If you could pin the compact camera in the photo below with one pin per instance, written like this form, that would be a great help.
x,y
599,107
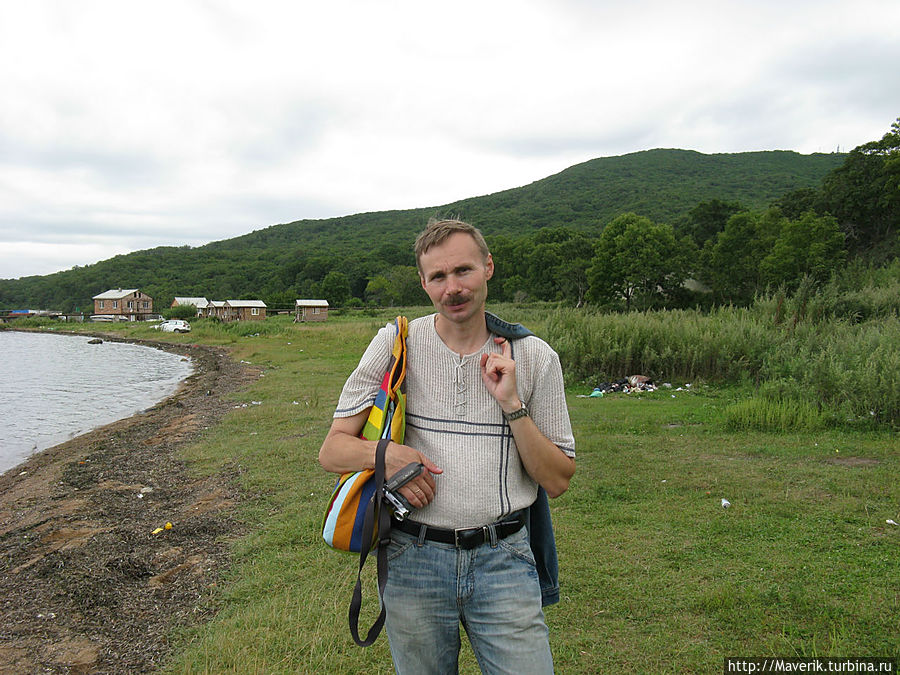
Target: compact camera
x,y
397,502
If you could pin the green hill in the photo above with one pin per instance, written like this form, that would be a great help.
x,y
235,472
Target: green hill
x,y
280,262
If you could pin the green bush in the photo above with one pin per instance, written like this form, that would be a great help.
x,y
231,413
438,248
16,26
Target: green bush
x,y
186,312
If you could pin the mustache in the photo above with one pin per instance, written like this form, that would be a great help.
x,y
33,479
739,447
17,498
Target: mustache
x,y
456,299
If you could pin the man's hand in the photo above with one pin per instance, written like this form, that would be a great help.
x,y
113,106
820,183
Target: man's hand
x,y
544,461
498,372
419,491
343,450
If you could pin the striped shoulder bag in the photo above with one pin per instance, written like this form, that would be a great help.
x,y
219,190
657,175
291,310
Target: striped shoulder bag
x,y
356,519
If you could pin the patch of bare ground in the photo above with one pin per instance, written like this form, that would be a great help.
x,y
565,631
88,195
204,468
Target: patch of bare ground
x,y
852,461
85,584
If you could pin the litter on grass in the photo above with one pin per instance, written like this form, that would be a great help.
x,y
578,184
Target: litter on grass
x,y
630,384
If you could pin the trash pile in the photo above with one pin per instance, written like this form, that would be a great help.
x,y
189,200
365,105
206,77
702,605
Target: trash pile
x,y
625,385
631,384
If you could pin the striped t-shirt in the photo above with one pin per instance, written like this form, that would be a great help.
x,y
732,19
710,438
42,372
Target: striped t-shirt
x,y
452,419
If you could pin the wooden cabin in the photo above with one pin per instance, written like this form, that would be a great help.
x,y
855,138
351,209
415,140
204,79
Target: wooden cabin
x,y
310,310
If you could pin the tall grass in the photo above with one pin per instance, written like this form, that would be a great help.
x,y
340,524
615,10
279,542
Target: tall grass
x,y
813,358
780,414
726,344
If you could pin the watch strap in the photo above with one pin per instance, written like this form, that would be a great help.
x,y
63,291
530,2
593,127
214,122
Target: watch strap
x,y
516,414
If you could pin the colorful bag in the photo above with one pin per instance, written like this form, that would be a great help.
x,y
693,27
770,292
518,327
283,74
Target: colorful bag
x,y
344,517
356,514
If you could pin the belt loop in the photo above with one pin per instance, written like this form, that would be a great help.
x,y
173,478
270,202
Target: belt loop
x,y
491,531
423,530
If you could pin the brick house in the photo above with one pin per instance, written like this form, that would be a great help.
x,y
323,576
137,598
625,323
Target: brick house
x,y
244,310
310,310
124,304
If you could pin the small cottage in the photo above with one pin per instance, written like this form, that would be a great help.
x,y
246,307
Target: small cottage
x,y
311,310
124,304
245,310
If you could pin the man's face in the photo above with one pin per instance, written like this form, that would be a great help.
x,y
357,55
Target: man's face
x,y
455,275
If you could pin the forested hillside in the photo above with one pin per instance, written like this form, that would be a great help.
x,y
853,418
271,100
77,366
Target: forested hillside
x,y
367,258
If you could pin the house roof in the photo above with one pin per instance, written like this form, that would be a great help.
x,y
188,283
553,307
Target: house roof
x,y
199,303
245,303
115,293
312,303
217,303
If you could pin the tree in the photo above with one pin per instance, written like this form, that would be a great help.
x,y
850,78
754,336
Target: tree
x,y
707,219
505,253
317,267
576,255
797,202
636,260
336,288
864,193
558,265
811,246
540,266
406,287
398,286
730,263
378,291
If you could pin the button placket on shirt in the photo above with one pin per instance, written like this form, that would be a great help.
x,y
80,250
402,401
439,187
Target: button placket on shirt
x,y
461,389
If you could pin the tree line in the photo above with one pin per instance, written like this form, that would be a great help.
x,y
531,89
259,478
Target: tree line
x,y
720,252
625,232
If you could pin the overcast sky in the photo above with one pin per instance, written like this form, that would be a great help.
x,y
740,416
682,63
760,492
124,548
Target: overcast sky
x,y
127,125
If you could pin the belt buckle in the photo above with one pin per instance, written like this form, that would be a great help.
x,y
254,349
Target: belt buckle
x,y
466,532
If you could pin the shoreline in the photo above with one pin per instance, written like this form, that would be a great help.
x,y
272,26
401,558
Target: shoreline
x,y
85,585
64,438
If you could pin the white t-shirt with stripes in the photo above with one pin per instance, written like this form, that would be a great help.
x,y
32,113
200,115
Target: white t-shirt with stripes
x,y
453,420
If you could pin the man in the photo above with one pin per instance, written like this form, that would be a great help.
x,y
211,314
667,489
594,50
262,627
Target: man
x,y
487,417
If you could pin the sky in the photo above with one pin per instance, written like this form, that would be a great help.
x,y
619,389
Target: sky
x,y
127,125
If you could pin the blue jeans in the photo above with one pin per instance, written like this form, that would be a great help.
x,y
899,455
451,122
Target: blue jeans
x,y
492,589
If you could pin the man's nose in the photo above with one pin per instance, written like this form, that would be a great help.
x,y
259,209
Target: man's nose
x,y
452,286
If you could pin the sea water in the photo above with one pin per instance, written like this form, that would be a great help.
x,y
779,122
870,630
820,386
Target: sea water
x,y
56,387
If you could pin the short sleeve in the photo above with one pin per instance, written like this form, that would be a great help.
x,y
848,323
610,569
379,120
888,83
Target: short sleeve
x,y
362,386
548,406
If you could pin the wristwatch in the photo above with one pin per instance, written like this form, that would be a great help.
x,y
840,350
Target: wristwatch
x,y
516,414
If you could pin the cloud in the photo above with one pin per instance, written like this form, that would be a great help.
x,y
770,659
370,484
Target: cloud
x,y
173,122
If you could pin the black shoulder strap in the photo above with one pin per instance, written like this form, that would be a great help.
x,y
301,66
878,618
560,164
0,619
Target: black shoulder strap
x,y
375,510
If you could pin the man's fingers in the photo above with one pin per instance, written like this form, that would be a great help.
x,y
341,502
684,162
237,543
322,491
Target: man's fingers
x,y
418,494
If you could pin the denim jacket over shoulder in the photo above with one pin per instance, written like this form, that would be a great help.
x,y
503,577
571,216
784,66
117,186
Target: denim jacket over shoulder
x,y
539,523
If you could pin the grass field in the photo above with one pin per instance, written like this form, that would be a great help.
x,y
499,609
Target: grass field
x,y
657,577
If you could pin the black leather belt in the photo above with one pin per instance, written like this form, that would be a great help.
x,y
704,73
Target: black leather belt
x,y
465,537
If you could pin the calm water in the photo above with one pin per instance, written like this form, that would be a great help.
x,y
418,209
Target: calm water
x,y
56,387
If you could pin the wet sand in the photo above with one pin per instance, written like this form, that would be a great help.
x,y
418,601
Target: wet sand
x,y
85,585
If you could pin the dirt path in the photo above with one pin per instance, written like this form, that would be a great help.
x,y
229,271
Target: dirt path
x,y
85,585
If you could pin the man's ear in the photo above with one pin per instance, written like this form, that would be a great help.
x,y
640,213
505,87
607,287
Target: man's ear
x,y
422,281
489,266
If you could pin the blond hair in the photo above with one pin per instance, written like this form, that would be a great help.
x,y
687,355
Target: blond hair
x,y
438,231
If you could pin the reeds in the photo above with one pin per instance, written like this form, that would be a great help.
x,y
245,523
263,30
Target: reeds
x,y
814,358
